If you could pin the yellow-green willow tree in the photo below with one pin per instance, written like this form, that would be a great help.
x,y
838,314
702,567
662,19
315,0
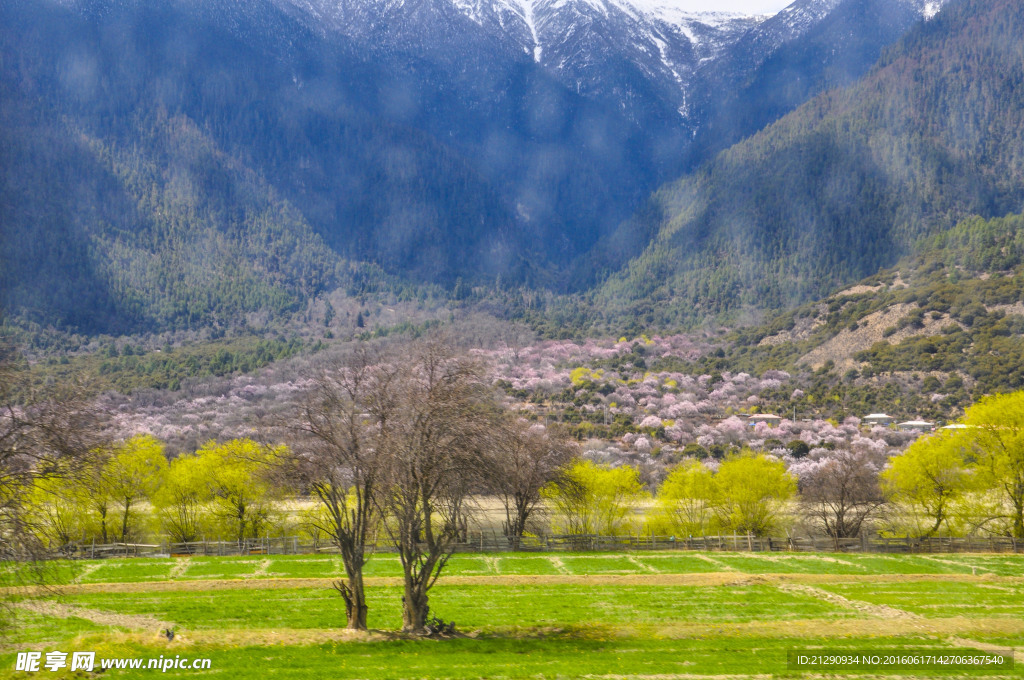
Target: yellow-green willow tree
x,y
597,499
134,472
181,503
753,490
930,481
687,499
996,424
56,510
241,485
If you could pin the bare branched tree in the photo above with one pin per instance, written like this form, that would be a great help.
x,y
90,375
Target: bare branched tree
x,y
842,492
337,456
43,435
434,445
515,338
522,459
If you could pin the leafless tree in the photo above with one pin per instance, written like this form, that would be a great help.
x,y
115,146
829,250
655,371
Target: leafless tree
x,y
337,457
515,338
43,434
841,492
433,445
522,459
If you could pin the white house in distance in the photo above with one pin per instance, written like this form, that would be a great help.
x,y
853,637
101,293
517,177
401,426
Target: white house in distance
x,y
916,425
769,418
878,419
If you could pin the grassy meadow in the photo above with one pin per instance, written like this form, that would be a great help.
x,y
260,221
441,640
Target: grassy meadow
x,y
636,615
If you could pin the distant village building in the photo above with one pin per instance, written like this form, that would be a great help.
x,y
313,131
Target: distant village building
x,y
955,426
916,425
769,418
878,419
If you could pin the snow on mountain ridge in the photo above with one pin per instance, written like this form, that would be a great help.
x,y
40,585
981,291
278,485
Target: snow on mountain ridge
x,y
680,15
636,53
531,23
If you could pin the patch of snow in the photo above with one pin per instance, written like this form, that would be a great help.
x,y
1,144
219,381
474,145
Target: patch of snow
x,y
469,9
688,32
526,6
695,8
931,9
663,50
682,14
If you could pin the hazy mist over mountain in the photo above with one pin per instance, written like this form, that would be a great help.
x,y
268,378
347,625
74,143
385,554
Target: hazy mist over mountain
x,y
175,163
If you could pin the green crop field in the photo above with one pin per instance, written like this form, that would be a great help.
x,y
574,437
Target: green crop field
x,y
627,615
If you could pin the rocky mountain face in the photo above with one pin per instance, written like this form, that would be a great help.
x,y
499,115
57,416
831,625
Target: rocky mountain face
x,y
848,182
807,48
298,145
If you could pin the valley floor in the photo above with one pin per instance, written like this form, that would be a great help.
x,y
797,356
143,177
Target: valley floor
x,y
645,615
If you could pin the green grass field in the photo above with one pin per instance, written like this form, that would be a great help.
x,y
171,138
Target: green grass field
x,y
634,615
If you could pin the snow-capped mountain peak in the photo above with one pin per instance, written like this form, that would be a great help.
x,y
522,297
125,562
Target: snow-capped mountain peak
x,y
629,50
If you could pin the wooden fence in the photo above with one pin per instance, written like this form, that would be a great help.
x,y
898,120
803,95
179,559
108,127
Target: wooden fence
x,y
486,542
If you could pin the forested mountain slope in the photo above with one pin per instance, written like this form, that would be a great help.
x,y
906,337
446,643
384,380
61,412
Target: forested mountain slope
x,y
171,164
754,85
174,162
937,331
846,184
128,203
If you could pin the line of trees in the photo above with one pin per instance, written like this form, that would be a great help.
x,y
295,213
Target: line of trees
x,y
399,446
127,492
392,446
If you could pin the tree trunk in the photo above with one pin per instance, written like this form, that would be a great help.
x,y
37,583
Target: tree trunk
x,y
240,516
103,524
522,514
414,609
1018,524
354,594
124,523
939,519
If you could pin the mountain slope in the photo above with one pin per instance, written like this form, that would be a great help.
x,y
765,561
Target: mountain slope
x,y
642,58
173,163
172,146
770,73
937,331
119,215
772,69
412,138
846,184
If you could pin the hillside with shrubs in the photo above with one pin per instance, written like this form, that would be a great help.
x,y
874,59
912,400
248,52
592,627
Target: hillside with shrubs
x,y
937,331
